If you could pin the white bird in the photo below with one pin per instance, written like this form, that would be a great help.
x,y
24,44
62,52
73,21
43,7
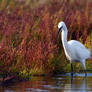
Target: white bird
x,y
74,50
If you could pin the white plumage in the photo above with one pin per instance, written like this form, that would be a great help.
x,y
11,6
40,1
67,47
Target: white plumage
x,y
79,50
74,50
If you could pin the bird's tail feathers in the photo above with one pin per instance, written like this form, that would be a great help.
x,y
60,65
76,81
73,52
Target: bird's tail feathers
x,y
90,52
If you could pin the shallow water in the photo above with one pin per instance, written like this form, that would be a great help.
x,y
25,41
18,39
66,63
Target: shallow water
x,y
57,83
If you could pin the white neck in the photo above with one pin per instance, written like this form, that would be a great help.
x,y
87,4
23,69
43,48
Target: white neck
x,y
64,38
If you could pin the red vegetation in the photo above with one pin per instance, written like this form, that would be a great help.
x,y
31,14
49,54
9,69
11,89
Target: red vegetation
x,y
28,36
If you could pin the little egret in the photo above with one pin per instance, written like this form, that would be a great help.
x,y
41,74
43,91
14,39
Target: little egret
x,y
74,50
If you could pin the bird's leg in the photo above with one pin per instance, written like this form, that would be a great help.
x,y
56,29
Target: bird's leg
x,y
84,66
71,69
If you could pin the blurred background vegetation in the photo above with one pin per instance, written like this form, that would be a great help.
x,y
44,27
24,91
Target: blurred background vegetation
x,y
28,30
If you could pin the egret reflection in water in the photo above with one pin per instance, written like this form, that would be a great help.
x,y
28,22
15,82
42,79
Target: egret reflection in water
x,y
57,83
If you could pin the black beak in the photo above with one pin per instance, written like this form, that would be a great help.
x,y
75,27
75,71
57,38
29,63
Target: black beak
x,y
59,30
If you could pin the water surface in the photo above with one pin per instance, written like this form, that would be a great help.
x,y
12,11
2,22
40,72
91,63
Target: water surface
x,y
57,83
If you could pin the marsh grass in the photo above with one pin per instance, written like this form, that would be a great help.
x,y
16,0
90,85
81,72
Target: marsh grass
x,y
28,42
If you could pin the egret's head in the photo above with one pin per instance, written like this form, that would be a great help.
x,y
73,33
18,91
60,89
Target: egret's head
x,y
61,26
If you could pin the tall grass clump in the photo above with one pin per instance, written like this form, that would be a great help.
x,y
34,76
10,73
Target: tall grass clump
x,y
28,42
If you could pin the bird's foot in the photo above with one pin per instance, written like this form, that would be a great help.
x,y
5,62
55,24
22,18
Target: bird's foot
x,y
72,73
85,73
